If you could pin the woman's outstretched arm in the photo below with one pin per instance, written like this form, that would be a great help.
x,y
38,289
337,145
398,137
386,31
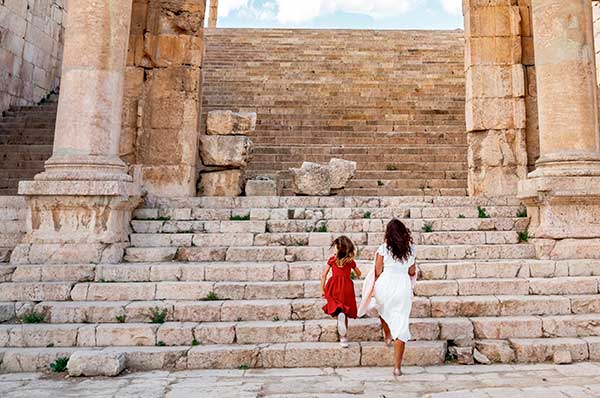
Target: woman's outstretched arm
x,y
378,266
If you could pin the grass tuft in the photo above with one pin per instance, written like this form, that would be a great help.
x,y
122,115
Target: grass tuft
x,y
428,227
121,318
32,317
158,315
212,296
522,213
245,217
482,213
524,236
60,365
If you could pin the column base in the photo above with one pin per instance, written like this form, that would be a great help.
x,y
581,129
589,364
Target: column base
x,y
562,207
76,221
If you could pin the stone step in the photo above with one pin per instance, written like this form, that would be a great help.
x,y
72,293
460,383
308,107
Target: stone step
x,y
282,271
276,331
320,253
233,237
235,290
444,219
291,355
256,332
318,202
297,309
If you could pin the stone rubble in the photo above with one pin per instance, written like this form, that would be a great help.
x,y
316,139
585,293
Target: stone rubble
x,y
313,179
225,151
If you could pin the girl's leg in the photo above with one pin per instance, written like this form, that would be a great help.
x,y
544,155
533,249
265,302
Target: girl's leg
x,y
387,335
399,346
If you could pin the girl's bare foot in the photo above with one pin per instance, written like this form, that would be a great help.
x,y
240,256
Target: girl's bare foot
x,y
397,372
388,341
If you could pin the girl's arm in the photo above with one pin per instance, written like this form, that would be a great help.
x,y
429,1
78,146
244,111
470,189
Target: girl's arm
x,y
324,278
357,271
378,266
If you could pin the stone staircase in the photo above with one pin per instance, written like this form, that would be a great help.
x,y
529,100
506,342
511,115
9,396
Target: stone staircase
x,y
26,138
391,100
233,283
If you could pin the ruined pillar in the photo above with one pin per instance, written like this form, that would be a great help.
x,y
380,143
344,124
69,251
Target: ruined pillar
x,y
212,18
563,192
163,95
80,206
495,97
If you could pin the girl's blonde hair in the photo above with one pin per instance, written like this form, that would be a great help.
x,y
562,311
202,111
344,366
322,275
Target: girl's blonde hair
x,y
345,251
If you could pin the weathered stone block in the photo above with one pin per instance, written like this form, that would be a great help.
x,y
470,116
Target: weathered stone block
x,y
230,123
230,151
96,363
312,179
261,187
221,183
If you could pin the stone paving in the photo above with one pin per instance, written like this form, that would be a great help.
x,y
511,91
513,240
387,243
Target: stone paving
x,y
495,381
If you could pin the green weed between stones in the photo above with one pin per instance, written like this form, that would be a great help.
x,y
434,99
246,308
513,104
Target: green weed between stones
x,y
60,365
195,343
322,228
428,227
121,318
158,315
522,213
32,317
244,367
212,296
245,217
367,215
482,213
161,344
461,216
524,236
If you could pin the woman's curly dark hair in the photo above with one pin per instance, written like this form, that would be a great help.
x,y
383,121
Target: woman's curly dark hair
x,y
398,240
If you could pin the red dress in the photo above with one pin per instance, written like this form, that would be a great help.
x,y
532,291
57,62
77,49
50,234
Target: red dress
x,y
339,290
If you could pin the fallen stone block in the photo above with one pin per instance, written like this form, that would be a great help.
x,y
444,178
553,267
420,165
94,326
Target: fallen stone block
x,y
221,183
96,363
231,151
230,123
261,187
312,179
341,171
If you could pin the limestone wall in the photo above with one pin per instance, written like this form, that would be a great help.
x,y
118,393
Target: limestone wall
x,y
162,94
31,44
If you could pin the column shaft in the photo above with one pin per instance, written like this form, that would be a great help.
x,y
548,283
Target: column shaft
x,y
214,8
88,125
566,83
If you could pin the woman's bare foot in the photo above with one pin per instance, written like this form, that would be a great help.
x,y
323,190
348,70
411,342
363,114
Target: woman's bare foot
x,y
397,372
387,339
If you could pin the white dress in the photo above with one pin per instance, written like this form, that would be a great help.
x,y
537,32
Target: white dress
x,y
393,293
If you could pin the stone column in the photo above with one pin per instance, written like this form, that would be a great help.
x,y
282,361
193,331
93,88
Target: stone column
x,y
495,97
563,192
214,8
81,204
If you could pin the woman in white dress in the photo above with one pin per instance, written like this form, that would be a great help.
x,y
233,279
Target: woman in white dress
x,y
394,266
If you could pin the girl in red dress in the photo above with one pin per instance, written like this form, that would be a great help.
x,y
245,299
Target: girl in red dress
x,y
339,290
